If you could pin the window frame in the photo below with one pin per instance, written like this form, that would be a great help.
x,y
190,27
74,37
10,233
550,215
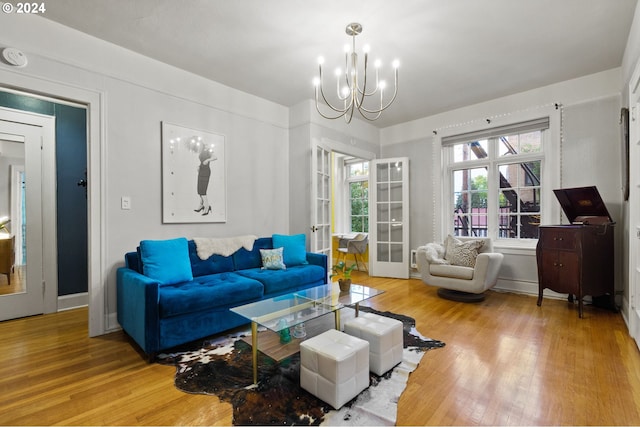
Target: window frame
x,y
550,174
348,180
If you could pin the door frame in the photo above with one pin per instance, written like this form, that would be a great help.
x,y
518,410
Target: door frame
x,y
48,196
633,309
332,147
96,188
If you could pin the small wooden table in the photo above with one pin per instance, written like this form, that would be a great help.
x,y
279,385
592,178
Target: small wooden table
x,y
288,310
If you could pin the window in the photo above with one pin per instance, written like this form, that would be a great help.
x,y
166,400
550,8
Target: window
x,y
495,180
357,181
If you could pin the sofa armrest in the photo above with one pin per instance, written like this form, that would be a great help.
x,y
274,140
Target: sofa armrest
x,y
138,308
318,259
488,266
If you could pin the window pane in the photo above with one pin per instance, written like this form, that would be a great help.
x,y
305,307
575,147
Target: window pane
x,y
396,171
359,205
519,195
520,143
470,202
470,151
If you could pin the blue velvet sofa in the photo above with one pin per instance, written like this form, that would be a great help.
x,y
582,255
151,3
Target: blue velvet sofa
x,y
160,309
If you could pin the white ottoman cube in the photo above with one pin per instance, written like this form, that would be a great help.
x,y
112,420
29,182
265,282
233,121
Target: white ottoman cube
x,y
384,336
334,367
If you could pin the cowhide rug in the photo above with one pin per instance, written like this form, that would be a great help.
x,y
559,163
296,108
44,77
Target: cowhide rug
x,y
222,367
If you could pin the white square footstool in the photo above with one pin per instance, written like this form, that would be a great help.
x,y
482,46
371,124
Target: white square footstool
x,y
334,366
385,339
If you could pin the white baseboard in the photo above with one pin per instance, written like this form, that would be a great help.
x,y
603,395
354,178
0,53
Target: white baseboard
x,y
69,302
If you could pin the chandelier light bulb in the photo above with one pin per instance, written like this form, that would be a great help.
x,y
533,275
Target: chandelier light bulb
x,y
395,64
382,85
347,48
316,81
338,72
366,48
377,63
320,60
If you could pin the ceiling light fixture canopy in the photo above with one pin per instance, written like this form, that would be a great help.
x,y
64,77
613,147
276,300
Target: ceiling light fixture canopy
x,y
352,92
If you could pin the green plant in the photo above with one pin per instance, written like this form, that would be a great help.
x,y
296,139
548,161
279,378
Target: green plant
x,y
342,271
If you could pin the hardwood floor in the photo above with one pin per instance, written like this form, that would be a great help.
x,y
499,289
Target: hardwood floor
x,y
17,281
506,362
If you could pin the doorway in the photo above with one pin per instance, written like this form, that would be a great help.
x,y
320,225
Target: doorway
x,y
68,190
387,210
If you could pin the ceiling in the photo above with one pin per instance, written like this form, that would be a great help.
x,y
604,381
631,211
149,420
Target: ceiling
x,y
453,53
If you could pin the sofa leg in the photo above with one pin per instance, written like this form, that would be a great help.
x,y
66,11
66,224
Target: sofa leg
x,y
460,296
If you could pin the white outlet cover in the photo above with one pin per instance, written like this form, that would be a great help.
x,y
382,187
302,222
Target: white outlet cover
x,y
14,57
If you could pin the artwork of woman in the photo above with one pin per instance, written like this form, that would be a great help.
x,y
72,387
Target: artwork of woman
x,y
182,149
205,156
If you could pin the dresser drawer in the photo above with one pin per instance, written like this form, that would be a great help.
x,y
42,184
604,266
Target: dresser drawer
x,y
553,238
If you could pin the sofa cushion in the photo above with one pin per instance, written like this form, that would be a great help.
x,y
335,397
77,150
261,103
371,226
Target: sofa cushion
x,y
207,292
166,261
279,281
244,259
453,271
295,248
213,264
463,253
272,259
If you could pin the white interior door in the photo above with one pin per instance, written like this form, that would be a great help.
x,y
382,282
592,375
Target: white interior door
x,y
321,200
19,138
389,218
634,205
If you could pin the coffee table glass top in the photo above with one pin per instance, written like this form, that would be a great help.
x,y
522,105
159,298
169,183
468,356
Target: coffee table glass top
x,y
291,309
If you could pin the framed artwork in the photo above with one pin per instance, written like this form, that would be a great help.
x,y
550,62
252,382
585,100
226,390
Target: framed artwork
x,y
193,175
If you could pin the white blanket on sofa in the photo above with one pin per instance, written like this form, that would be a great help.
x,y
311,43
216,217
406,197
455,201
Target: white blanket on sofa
x,y
225,246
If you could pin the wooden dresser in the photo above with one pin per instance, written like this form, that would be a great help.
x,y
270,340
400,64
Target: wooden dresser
x,y
7,256
578,259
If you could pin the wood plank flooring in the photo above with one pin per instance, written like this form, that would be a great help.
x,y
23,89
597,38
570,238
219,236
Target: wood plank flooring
x,y
506,362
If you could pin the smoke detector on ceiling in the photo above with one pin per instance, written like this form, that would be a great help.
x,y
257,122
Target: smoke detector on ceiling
x,y
14,57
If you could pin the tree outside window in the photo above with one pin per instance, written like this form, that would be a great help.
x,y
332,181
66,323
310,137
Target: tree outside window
x,y
358,187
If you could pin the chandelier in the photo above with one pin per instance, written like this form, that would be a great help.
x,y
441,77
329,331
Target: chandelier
x,y
352,90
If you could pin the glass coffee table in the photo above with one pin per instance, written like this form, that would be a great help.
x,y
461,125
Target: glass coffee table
x,y
287,311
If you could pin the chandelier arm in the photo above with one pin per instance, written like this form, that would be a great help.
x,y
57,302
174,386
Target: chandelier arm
x,y
328,117
326,101
395,93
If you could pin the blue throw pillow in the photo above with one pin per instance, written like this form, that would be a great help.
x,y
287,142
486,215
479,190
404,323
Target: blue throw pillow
x,y
272,259
166,261
295,248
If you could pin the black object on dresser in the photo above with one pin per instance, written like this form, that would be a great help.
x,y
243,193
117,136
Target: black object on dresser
x,y
578,259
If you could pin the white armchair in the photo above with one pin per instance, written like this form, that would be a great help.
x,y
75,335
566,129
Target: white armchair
x,y
455,273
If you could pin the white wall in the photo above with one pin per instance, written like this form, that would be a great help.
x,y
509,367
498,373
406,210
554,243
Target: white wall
x,y
590,156
136,94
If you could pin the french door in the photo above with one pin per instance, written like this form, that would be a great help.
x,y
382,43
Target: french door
x,y
389,218
634,205
321,200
